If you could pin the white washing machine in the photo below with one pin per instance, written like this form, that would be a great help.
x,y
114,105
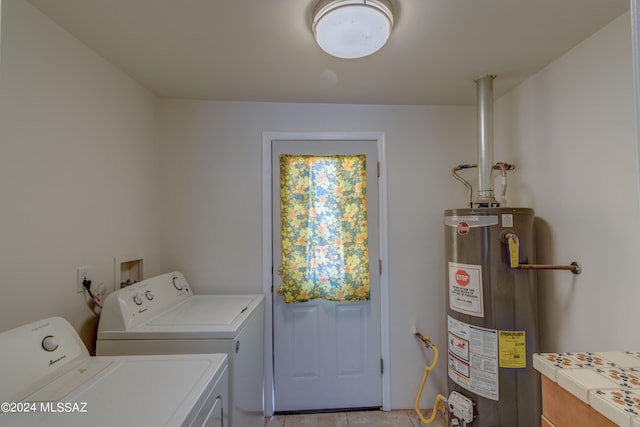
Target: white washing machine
x,y
161,315
48,379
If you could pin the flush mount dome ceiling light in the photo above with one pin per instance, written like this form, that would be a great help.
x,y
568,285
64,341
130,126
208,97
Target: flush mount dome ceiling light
x,y
352,28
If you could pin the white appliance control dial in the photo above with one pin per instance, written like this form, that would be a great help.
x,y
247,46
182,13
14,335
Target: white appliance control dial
x,y
50,343
177,283
149,295
137,299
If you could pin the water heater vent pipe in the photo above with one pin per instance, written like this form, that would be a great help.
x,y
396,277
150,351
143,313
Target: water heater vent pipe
x,y
485,195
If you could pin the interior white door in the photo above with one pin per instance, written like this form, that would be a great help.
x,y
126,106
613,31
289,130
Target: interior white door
x,y
327,355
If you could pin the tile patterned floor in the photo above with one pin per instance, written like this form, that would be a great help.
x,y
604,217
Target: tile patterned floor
x,y
353,419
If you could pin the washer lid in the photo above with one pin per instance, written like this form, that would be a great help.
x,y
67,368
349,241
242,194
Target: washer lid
x,y
199,317
131,391
212,310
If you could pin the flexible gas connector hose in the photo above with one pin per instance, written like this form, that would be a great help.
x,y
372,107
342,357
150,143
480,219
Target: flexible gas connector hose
x,y
440,399
503,167
466,183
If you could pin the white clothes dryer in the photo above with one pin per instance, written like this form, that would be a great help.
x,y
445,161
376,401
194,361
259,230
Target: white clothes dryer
x,y
161,315
48,379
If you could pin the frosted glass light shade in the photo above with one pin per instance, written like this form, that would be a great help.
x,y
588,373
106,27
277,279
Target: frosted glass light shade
x,y
352,28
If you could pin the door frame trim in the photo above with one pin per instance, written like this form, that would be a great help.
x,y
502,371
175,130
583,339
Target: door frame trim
x,y
267,262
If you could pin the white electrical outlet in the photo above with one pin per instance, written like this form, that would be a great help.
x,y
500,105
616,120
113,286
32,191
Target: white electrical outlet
x,y
83,273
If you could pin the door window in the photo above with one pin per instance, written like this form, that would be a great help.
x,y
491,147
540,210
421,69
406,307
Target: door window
x,y
323,205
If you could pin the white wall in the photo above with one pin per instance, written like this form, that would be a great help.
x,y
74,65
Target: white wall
x,y
211,226
78,171
570,130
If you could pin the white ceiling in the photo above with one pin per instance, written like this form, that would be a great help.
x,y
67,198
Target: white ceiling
x,y
263,50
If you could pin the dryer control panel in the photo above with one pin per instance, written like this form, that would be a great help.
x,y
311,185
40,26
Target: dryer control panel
x,y
33,354
129,307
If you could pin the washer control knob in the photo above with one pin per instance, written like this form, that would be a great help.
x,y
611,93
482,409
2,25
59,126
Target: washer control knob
x,y
137,299
149,295
177,283
50,343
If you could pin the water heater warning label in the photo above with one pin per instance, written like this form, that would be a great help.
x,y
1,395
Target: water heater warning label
x,y
513,349
465,289
473,358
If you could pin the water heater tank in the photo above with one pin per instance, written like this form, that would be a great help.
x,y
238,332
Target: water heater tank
x,y
492,315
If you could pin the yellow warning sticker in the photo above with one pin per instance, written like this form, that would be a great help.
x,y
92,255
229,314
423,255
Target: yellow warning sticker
x,y
513,349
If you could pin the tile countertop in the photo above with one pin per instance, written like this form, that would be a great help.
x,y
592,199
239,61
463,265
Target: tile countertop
x,y
607,381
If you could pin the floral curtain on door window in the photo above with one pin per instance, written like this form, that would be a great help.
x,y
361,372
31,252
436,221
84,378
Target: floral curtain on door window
x,y
324,228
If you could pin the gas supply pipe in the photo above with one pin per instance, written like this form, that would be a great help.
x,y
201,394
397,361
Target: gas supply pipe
x,y
440,399
513,246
